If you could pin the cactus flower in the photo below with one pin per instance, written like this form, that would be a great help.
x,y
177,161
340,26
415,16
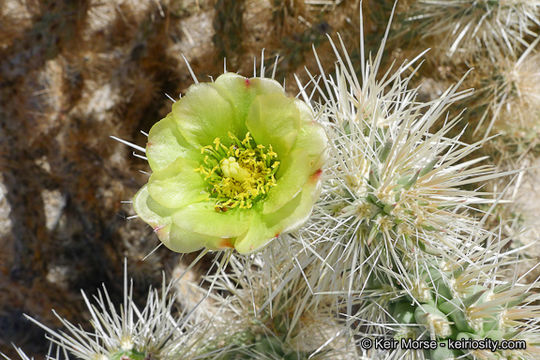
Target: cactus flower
x,y
234,164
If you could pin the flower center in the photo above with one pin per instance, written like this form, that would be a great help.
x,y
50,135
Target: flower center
x,y
240,174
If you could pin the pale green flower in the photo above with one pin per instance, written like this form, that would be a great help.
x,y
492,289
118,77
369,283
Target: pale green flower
x,y
235,164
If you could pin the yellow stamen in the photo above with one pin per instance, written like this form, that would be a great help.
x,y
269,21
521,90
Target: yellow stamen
x,y
217,143
238,175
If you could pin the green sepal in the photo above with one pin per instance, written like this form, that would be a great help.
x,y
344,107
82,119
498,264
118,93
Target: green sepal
x,y
257,235
147,209
240,92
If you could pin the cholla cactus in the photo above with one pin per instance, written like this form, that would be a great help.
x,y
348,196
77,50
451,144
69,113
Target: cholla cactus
x,y
395,246
392,189
462,28
131,333
472,300
510,96
393,210
268,318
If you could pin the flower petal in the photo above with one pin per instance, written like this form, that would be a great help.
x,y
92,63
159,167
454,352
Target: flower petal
x,y
166,144
178,185
220,243
153,214
293,174
305,160
184,241
265,86
203,115
311,137
274,119
241,91
202,218
296,211
172,236
256,237
264,228
175,201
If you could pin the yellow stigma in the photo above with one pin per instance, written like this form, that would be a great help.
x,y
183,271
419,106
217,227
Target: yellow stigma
x,y
240,174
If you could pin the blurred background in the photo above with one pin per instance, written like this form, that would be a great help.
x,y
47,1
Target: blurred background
x,y
74,72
